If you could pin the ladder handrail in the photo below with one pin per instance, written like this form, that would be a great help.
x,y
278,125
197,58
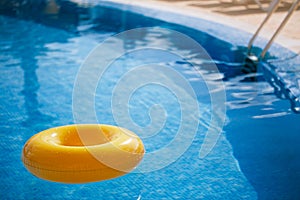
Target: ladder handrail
x,y
283,23
273,7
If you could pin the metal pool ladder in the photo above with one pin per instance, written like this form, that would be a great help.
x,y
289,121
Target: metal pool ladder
x,y
252,60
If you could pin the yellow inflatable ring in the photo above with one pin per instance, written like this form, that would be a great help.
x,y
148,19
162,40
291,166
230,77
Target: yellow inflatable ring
x,y
82,153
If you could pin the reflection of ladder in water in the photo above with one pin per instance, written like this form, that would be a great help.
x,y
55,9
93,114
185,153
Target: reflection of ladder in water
x,y
252,60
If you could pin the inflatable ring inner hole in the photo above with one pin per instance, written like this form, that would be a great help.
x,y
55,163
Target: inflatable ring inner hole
x,y
81,136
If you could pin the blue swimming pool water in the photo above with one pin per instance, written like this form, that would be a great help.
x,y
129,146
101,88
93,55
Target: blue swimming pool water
x,y
256,156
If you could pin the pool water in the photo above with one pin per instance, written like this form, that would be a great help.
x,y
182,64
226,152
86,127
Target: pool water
x,y
257,155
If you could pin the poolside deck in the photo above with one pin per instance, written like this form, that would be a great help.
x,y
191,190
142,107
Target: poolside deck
x,y
241,14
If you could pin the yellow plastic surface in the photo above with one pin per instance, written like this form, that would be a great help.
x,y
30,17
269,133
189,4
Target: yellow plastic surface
x,y
82,153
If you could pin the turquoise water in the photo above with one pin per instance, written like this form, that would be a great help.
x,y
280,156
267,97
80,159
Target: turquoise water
x,y
256,155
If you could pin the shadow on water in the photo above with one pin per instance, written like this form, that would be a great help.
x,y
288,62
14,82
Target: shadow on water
x,y
27,46
36,120
55,13
266,145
